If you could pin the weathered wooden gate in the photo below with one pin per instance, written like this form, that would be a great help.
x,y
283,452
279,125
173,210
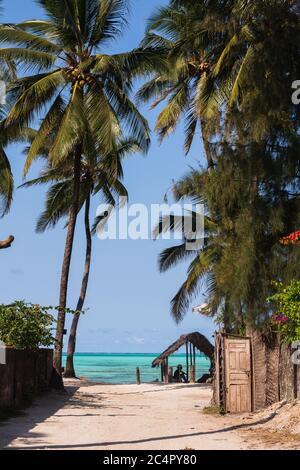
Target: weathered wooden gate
x,y
233,373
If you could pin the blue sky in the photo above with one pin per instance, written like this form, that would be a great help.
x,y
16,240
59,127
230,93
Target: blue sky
x,y
128,299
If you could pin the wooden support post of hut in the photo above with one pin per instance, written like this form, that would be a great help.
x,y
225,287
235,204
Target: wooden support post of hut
x,y
187,360
193,379
166,371
191,342
194,358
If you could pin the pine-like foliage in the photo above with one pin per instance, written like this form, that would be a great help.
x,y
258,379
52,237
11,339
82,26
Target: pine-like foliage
x,y
251,52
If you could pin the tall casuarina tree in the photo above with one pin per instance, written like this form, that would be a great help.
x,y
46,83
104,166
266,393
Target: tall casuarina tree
x,y
80,94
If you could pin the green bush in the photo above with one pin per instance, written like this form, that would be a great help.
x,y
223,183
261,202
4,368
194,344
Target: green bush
x,y
26,326
287,316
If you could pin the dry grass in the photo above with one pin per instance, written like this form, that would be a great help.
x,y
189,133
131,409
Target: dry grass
x,y
212,410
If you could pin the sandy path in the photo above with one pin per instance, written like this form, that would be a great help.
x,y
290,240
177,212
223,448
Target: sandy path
x,y
111,417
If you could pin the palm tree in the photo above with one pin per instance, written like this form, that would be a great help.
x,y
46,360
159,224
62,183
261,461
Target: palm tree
x,y
181,29
205,256
256,43
70,369
123,149
81,94
101,175
7,72
226,60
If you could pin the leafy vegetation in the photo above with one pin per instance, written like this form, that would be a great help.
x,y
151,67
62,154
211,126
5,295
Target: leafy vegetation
x,y
287,304
26,326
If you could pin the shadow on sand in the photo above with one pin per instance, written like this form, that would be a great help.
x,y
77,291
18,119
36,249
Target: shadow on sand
x,y
35,441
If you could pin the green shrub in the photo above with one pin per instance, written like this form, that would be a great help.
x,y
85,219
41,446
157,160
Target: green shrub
x,y
287,304
26,326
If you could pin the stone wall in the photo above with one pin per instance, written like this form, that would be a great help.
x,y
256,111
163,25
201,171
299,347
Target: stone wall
x,y
25,374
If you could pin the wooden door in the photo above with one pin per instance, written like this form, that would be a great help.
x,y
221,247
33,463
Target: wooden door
x,y
238,375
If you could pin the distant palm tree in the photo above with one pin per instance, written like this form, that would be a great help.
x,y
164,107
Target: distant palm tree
x,y
205,255
81,94
99,176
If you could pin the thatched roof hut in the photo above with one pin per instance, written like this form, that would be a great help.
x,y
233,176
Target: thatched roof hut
x,y
192,341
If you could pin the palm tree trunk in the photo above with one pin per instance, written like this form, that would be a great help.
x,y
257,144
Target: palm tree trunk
x,y
70,370
207,149
66,263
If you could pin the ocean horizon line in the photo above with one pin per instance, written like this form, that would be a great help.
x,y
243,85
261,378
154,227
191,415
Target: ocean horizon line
x,y
127,353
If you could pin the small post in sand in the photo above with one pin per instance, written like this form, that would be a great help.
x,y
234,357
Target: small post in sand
x,y
138,376
192,375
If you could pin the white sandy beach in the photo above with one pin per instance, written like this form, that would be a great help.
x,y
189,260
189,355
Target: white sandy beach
x,y
126,417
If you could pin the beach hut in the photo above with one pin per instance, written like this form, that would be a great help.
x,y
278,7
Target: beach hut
x,y
192,342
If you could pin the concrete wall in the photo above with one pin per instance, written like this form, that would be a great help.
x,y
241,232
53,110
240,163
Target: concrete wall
x,y
25,374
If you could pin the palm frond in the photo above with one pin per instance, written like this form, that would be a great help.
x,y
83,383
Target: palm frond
x,y
58,201
35,97
71,130
6,183
112,17
169,118
133,120
51,120
30,59
13,35
172,256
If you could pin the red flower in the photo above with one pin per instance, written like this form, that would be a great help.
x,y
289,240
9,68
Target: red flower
x,y
292,239
281,319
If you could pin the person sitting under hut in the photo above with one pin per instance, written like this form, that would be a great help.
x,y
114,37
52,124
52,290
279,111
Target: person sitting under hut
x,y
179,375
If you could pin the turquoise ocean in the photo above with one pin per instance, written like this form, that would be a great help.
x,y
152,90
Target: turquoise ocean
x,y
121,368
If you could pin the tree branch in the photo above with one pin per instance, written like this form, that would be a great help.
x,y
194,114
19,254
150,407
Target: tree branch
x,y
7,243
